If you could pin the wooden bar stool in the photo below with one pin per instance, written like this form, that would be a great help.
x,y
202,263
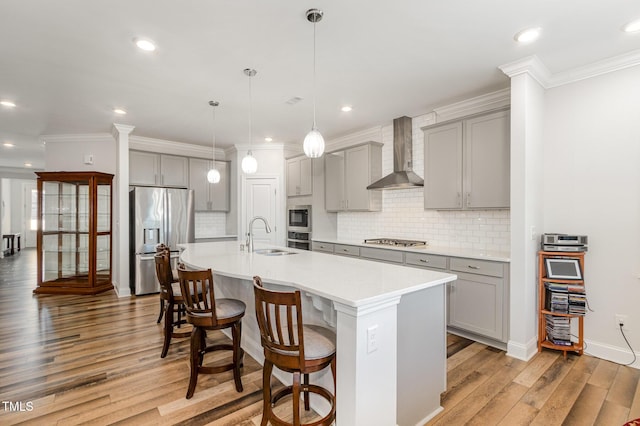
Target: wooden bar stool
x,y
205,312
171,294
174,279
293,347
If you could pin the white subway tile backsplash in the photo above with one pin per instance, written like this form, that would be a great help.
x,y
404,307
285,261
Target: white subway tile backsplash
x,y
210,224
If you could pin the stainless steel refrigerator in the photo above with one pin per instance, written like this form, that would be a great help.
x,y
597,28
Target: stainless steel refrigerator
x,y
156,215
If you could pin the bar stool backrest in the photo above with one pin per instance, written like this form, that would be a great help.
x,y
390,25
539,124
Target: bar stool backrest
x,y
164,274
279,316
197,291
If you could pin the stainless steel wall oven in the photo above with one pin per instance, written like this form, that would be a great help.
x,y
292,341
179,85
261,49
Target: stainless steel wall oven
x,y
299,227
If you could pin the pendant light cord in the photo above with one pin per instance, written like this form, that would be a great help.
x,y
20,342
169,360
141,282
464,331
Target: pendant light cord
x,y
213,139
250,113
314,74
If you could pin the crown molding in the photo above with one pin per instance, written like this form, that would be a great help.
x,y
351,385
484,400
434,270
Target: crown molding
x,y
356,138
121,129
488,101
534,67
89,137
531,65
612,64
171,147
270,146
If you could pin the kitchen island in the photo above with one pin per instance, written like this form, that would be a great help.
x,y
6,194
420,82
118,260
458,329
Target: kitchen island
x,y
389,321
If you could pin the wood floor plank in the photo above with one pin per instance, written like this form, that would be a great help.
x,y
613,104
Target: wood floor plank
x,y
539,393
497,408
536,368
634,411
520,415
623,387
587,406
604,374
611,414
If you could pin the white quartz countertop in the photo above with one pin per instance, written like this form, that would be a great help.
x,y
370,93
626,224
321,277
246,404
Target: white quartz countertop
x,y
497,256
352,282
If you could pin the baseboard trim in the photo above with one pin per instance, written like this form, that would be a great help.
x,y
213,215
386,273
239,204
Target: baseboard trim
x,y
611,353
521,351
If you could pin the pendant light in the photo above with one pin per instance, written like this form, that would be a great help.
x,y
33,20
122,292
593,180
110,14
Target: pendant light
x,y
213,176
314,142
249,162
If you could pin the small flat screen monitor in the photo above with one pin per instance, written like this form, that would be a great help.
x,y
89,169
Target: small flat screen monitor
x,y
563,269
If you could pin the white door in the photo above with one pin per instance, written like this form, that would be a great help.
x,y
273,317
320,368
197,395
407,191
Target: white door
x,y
29,214
262,200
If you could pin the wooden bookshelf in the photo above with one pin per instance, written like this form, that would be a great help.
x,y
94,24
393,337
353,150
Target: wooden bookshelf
x,y
544,311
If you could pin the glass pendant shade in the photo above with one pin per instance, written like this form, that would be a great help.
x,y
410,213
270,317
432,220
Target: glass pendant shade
x,y
313,144
249,164
213,176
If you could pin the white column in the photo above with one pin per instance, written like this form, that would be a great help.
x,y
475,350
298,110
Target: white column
x,y
120,232
367,364
528,80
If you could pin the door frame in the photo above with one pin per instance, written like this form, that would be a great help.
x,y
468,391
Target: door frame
x,y
277,227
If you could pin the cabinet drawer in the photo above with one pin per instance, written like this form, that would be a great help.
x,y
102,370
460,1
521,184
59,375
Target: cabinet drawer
x,y
325,247
347,250
381,254
426,260
481,267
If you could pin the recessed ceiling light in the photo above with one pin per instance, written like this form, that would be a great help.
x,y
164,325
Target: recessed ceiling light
x,y
346,108
8,104
145,44
632,27
528,35
119,111
28,164
268,139
8,144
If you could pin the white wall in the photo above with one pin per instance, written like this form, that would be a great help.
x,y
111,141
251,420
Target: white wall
x,y
592,187
67,153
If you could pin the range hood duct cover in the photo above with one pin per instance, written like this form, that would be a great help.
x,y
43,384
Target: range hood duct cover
x,y
403,176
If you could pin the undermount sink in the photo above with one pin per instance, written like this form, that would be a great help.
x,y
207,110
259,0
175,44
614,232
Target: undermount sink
x,y
273,252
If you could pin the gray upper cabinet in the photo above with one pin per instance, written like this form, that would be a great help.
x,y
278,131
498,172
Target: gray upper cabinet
x,y
299,176
209,196
152,169
467,164
347,175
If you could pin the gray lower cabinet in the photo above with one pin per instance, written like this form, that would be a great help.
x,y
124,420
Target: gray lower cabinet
x,y
346,250
477,298
323,247
477,302
391,256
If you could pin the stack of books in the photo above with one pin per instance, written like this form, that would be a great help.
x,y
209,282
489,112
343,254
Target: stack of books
x,y
558,330
565,298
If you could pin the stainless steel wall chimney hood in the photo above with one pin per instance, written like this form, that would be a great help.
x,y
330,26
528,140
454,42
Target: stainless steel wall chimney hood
x,y
403,176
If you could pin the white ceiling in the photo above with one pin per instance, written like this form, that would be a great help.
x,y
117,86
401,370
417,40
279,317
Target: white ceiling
x,y
67,64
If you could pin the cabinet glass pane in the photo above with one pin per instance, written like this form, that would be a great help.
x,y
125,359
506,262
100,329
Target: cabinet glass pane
x,y
104,208
61,256
59,206
83,208
103,258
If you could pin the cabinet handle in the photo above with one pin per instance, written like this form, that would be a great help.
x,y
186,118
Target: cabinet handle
x,y
345,250
459,199
468,199
424,260
473,267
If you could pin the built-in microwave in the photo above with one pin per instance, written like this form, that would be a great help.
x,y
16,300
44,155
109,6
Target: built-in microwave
x,y
299,218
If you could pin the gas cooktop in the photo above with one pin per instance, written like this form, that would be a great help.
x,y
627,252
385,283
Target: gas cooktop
x,y
395,242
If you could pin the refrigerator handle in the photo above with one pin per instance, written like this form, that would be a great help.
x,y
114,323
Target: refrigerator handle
x,y
167,218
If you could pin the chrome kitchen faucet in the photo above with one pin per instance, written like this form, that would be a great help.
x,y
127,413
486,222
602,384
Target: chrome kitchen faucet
x,y
250,233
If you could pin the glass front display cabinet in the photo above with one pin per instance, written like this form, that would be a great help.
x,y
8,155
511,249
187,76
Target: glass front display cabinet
x,y
74,232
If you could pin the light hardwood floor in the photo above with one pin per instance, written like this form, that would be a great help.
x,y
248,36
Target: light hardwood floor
x,y
96,360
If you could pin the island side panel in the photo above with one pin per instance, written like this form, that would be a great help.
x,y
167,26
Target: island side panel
x,y
366,376
422,356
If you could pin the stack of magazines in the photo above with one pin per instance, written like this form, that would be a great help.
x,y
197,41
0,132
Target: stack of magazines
x,y
558,330
565,298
